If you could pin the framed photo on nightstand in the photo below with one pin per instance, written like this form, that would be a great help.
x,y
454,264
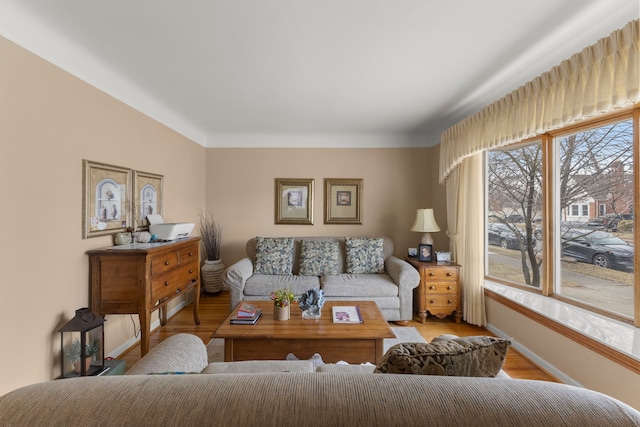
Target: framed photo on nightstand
x,y
425,253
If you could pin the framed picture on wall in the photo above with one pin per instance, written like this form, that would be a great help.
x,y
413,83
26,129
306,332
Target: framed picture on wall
x,y
106,199
343,200
294,201
148,198
425,253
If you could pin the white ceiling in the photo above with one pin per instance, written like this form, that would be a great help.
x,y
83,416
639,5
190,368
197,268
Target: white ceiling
x,y
237,72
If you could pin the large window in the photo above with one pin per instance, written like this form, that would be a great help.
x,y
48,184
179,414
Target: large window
x,y
580,222
514,214
594,170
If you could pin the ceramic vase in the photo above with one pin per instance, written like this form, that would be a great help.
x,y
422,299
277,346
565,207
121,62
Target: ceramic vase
x,y
122,239
211,274
281,313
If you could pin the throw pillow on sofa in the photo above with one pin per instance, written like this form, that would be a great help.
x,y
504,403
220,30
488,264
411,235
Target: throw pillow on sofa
x,y
479,356
318,258
274,255
364,255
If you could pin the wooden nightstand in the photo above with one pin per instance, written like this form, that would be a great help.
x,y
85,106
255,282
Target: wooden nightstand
x,y
438,291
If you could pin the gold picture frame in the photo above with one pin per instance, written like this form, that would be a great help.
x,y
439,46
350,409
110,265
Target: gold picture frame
x,y
148,198
294,201
343,200
106,207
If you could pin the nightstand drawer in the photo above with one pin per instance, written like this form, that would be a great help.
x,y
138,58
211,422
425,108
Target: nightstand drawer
x,y
440,288
440,273
441,301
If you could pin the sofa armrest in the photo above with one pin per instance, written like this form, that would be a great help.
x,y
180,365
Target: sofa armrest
x,y
407,278
178,353
235,279
402,273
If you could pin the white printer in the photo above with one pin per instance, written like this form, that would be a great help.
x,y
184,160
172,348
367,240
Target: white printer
x,y
168,231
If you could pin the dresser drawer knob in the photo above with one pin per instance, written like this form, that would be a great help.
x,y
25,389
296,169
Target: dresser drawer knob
x,y
432,287
449,288
166,283
190,253
178,291
450,301
432,301
166,263
432,274
191,270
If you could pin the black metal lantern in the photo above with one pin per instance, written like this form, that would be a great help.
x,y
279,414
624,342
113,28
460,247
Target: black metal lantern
x,y
82,344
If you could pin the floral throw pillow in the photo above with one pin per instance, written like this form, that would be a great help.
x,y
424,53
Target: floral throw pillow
x,y
318,258
364,255
274,255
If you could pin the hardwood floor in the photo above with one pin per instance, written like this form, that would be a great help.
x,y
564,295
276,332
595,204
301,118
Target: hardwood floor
x,y
215,308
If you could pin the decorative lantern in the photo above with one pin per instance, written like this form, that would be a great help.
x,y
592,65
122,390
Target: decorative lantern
x,y
82,344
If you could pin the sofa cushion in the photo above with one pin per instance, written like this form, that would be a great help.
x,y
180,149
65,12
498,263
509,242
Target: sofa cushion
x,y
359,285
264,284
318,258
364,255
479,356
274,255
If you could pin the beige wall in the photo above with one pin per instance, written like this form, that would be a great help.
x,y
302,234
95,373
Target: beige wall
x,y
241,187
49,122
575,361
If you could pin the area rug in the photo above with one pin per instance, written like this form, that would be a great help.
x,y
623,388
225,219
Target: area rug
x,y
215,348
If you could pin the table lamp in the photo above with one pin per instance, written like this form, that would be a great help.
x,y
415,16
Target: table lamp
x,y
425,223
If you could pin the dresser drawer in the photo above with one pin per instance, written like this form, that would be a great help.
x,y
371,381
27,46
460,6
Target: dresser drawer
x,y
189,254
439,274
164,262
172,282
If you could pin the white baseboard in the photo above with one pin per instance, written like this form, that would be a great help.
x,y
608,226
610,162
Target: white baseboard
x,y
133,341
535,359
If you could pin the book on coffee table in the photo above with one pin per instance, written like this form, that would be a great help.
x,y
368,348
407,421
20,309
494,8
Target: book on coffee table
x,y
346,314
246,310
246,320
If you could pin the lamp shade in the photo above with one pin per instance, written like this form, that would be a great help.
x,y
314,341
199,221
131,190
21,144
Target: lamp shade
x,y
425,221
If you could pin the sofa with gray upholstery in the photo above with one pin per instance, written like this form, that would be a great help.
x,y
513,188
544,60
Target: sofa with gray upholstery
x,y
345,268
167,388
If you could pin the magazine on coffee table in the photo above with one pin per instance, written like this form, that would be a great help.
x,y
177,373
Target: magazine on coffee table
x,y
346,314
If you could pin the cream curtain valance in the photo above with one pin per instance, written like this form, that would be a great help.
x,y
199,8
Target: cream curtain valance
x,y
601,78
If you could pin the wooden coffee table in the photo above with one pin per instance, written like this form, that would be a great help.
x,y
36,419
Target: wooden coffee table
x,y
270,339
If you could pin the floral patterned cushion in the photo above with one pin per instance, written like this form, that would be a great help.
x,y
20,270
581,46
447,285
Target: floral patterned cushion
x,y
318,258
364,255
274,255
479,356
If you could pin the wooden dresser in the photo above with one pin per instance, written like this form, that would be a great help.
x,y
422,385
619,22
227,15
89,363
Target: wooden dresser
x,y
439,290
143,277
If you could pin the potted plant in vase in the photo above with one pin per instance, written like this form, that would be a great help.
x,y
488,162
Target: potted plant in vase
x,y
72,353
282,300
212,270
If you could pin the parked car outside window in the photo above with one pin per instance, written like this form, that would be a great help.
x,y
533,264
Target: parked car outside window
x,y
598,248
502,235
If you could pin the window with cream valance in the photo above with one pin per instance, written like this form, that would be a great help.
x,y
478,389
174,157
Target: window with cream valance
x,y
598,80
